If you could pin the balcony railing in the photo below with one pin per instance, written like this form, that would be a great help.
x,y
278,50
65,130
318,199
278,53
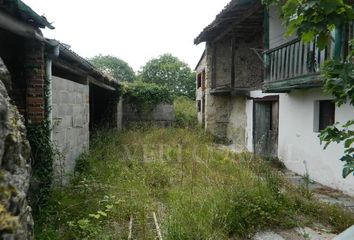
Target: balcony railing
x,y
294,59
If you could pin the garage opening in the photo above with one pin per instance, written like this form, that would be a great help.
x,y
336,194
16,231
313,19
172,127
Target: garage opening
x,y
103,107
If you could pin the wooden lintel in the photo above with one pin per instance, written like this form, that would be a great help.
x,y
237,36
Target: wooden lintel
x,y
70,68
100,84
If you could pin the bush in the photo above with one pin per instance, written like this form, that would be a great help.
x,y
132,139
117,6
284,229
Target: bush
x,y
145,96
186,112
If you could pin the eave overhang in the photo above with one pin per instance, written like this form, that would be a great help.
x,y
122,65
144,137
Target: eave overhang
x,y
234,14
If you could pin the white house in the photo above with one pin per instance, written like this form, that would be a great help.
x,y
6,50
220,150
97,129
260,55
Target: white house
x,y
263,91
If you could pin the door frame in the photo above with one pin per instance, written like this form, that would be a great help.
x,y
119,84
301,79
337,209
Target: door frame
x,y
272,98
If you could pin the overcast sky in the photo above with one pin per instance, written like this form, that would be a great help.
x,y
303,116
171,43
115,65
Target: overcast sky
x,y
133,30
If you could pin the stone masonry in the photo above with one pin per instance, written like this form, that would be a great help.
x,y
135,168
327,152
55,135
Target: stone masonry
x,y
70,112
15,214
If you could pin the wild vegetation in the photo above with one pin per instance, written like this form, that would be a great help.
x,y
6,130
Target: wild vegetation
x,y
115,67
196,190
170,72
145,96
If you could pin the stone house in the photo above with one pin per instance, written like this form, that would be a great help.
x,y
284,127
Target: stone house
x,y
264,92
200,70
46,74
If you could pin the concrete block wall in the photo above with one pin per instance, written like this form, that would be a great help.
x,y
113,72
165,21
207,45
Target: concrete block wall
x,y
162,114
70,113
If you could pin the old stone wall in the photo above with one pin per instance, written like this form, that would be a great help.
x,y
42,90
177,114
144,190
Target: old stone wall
x,y
162,114
15,214
217,114
70,112
249,65
223,62
225,115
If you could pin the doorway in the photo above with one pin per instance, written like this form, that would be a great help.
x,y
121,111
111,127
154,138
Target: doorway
x,y
265,127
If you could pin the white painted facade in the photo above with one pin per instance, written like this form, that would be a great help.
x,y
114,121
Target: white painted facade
x,y
299,145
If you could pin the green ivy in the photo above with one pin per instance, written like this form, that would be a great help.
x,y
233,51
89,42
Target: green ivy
x,y
43,155
145,96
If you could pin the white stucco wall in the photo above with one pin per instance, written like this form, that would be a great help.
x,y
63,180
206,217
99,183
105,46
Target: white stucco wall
x,y
70,115
300,145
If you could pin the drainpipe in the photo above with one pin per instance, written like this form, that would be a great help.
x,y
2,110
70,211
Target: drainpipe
x,y
53,53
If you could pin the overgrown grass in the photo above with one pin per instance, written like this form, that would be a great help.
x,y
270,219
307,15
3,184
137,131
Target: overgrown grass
x,y
196,190
186,112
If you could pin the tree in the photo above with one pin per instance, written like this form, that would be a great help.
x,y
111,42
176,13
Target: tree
x,y
170,72
316,19
115,67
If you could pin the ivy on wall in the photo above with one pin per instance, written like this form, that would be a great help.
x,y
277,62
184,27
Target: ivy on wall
x,y
145,96
43,155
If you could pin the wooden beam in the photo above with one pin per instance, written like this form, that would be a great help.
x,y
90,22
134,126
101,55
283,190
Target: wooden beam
x,y
249,12
70,68
100,84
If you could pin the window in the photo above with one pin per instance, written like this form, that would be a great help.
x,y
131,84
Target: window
x,y
199,106
327,112
203,80
199,80
324,114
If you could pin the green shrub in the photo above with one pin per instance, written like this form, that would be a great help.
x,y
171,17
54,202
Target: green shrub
x,y
186,112
145,96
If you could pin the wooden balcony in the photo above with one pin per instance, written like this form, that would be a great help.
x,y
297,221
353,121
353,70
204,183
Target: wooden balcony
x,y
294,65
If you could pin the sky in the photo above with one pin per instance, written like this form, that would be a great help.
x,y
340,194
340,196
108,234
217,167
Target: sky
x,y
133,30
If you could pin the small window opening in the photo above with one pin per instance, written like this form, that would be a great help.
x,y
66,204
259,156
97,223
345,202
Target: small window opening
x,y
199,80
199,106
203,79
327,114
324,114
